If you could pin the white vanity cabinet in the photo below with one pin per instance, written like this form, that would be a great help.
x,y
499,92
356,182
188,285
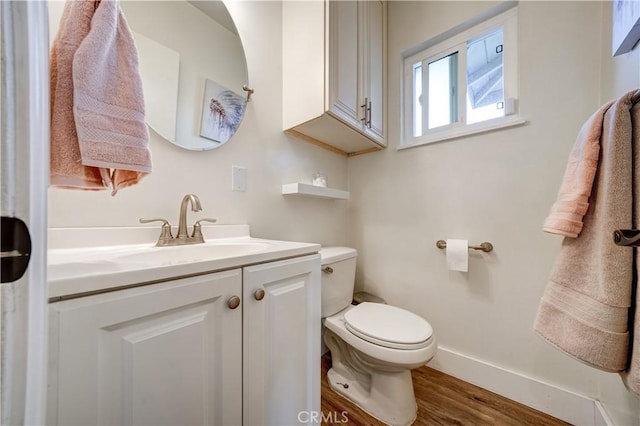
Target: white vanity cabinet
x,y
162,354
179,353
281,330
335,73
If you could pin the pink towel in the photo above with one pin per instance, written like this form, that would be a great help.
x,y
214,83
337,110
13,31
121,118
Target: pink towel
x,y
586,306
565,217
66,165
98,135
108,99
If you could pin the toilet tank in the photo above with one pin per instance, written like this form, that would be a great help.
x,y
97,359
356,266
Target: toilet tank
x,y
338,278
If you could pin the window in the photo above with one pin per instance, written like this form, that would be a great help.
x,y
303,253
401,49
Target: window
x,y
462,82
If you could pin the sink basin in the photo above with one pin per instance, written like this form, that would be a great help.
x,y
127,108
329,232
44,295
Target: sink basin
x,y
192,253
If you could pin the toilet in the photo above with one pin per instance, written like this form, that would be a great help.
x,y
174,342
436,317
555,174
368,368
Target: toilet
x,y
373,346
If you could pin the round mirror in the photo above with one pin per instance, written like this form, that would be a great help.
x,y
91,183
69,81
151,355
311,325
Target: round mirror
x,y
193,70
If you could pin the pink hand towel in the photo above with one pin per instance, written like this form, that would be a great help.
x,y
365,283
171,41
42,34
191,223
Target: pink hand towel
x,y
66,165
108,99
565,217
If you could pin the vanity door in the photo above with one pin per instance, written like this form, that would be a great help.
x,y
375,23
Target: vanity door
x,y
161,354
281,308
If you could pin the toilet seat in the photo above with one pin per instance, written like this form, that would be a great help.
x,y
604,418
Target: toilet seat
x,y
388,326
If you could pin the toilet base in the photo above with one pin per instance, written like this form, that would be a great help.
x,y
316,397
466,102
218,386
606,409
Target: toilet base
x,y
388,397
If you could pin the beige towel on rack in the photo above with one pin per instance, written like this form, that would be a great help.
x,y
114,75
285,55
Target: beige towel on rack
x,y
585,307
108,99
631,375
66,168
565,217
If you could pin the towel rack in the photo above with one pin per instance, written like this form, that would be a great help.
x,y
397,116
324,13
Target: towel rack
x,y
485,247
627,237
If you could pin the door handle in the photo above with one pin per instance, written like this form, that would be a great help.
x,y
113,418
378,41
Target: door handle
x,y
15,250
364,106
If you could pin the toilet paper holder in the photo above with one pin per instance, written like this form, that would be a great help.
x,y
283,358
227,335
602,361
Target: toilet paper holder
x,y
485,247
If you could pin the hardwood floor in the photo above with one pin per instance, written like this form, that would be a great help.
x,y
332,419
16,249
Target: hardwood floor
x,y
442,400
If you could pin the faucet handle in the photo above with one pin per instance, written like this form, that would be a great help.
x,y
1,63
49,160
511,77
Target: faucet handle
x,y
197,229
149,220
165,233
205,220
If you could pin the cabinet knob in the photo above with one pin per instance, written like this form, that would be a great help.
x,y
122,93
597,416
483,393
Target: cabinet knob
x,y
259,294
233,302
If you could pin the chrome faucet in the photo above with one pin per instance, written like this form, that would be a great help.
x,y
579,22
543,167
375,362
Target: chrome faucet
x,y
183,237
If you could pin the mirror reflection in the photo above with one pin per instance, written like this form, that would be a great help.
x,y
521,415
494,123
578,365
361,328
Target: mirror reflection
x,y
193,69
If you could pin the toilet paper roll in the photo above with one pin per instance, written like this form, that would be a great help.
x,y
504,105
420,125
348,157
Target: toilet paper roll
x,y
458,255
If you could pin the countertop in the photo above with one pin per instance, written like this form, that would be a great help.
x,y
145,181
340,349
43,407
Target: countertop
x,y
84,261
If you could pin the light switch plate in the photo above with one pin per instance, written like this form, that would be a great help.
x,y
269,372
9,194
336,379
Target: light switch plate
x,y
239,178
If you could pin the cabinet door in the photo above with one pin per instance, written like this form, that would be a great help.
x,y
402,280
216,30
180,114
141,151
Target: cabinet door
x,y
162,354
357,65
345,84
281,347
372,14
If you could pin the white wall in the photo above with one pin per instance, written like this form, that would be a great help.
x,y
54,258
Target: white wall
x,y
271,157
495,187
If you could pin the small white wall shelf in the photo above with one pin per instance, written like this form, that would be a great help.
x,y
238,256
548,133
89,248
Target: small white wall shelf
x,y
304,189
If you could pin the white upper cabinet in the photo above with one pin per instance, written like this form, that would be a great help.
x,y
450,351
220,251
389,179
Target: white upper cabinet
x,y
334,73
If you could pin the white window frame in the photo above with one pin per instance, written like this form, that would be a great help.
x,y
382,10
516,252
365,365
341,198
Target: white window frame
x,y
446,44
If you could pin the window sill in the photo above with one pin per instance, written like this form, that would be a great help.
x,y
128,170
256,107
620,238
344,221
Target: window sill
x,y
456,131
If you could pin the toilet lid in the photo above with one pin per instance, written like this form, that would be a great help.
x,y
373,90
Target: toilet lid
x,y
388,326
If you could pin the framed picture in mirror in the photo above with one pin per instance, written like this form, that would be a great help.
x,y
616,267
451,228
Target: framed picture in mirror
x,y
222,111
626,25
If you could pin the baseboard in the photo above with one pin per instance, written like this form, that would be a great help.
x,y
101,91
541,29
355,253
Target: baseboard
x,y
561,403
602,418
